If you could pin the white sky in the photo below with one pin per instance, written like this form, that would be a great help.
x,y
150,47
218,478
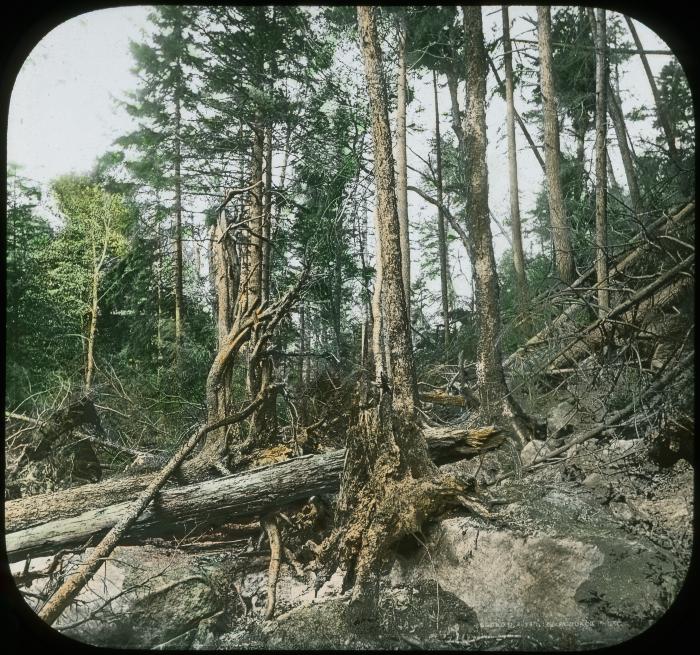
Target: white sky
x,y
63,114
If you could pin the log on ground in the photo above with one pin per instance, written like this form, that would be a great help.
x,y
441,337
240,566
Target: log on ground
x,y
197,507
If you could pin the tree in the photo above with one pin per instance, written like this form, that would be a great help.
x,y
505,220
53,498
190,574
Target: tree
x,y
441,231
518,256
95,219
601,180
164,140
495,399
390,485
401,163
561,230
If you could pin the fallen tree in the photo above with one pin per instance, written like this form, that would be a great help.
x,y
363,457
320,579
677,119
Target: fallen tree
x,y
663,225
196,507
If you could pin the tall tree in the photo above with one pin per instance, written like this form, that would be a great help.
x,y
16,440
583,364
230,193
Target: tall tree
x,y
390,485
163,140
401,161
518,256
601,181
618,121
495,399
96,219
442,231
561,230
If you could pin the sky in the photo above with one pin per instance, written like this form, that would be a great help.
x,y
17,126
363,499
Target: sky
x,y
64,111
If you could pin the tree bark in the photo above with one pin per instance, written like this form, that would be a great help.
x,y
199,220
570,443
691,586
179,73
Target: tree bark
x,y
496,401
97,264
618,120
179,302
395,314
518,256
601,180
442,231
401,163
561,230
267,218
68,519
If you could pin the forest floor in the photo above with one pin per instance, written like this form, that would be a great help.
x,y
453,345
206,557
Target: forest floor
x,y
583,551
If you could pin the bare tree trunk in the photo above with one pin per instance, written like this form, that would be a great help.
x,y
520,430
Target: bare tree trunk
x,y
390,484
179,302
496,401
94,309
618,120
380,365
660,109
601,180
518,256
442,232
561,230
302,343
401,163
267,218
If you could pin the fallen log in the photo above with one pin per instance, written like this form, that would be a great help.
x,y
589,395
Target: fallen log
x,y
662,292
664,223
197,507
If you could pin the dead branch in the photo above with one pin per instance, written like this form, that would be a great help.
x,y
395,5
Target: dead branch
x,y
273,535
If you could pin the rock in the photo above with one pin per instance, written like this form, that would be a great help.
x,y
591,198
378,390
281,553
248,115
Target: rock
x,y
562,418
427,613
551,567
532,450
596,483
159,599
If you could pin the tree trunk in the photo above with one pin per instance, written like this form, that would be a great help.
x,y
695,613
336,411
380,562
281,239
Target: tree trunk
x,y
518,256
267,219
179,302
601,180
442,232
41,525
561,231
390,485
94,309
401,163
618,120
495,399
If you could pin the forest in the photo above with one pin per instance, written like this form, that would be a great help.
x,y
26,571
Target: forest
x,y
280,373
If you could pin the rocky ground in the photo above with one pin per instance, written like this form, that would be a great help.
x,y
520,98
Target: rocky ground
x,y
579,554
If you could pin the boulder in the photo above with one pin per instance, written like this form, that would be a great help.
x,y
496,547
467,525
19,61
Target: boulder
x,y
142,597
533,449
562,418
